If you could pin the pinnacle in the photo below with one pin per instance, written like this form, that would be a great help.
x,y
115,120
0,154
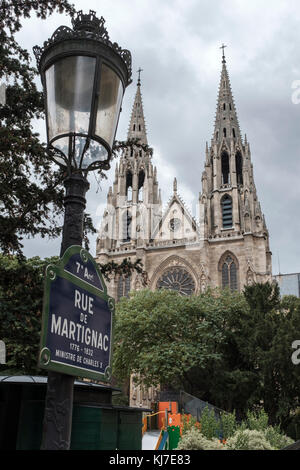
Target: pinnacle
x,y
137,126
226,120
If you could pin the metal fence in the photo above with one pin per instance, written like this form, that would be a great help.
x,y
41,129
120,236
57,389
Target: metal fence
x,y
194,406
188,404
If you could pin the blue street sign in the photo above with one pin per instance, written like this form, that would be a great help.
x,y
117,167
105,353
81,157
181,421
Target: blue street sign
x,y
77,318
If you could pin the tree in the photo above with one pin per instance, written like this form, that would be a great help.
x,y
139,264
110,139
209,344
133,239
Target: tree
x,y
256,368
31,191
227,348
161,336
230,382
21,304
266,337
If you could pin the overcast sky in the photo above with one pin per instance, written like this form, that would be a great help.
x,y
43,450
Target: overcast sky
x,y
176,43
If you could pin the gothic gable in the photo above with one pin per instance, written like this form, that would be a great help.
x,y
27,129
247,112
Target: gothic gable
x,y
176,223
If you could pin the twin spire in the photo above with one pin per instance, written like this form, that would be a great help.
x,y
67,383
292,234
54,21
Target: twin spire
x,y
137,127
226,122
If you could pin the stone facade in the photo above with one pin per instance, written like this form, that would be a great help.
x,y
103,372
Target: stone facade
x,y
228,243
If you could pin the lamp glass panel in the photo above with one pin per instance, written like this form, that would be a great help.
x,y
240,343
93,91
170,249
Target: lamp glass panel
x,y
69,83
109,103
95,153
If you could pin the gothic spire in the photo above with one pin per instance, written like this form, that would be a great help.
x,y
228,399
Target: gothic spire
x,y
137,127
226,123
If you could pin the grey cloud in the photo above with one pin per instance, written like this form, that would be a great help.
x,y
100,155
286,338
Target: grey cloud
x,y
177,45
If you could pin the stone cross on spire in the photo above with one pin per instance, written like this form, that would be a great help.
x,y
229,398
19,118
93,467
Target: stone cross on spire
x,y
139,79
223,55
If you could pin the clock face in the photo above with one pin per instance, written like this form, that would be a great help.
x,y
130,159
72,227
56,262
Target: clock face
x,y
174,224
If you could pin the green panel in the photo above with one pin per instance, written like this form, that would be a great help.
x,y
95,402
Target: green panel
x,y
30,425
174,436
130,430
85,428
109,430
93,428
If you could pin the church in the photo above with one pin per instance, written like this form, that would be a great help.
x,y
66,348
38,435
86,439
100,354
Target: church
x,y
226,245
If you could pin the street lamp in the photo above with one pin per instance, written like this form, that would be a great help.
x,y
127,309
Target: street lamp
x,y
84,76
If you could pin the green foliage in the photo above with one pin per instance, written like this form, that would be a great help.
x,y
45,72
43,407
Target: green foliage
x,y
257,421
162,335
248,439
125,268
21,294
210,427
256,364
120,146
276,438
188,423
293,428
228,382
228,424
270,333
31,191
193,439
238,357
253,433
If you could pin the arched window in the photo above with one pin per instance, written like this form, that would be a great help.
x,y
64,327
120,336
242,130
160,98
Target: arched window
x,y
229,274
224,106
126,226
226,204
224,132
123,286
225,168
177,279
141,194
129,193
141,185
239,168
129,185
233,133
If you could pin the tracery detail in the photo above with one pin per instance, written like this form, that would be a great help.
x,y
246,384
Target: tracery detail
x,y
177,279
229,274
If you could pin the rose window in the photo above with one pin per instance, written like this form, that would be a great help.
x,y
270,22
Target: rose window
x,y
177,279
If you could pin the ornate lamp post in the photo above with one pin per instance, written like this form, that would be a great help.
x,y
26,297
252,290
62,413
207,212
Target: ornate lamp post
x,y
84,76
